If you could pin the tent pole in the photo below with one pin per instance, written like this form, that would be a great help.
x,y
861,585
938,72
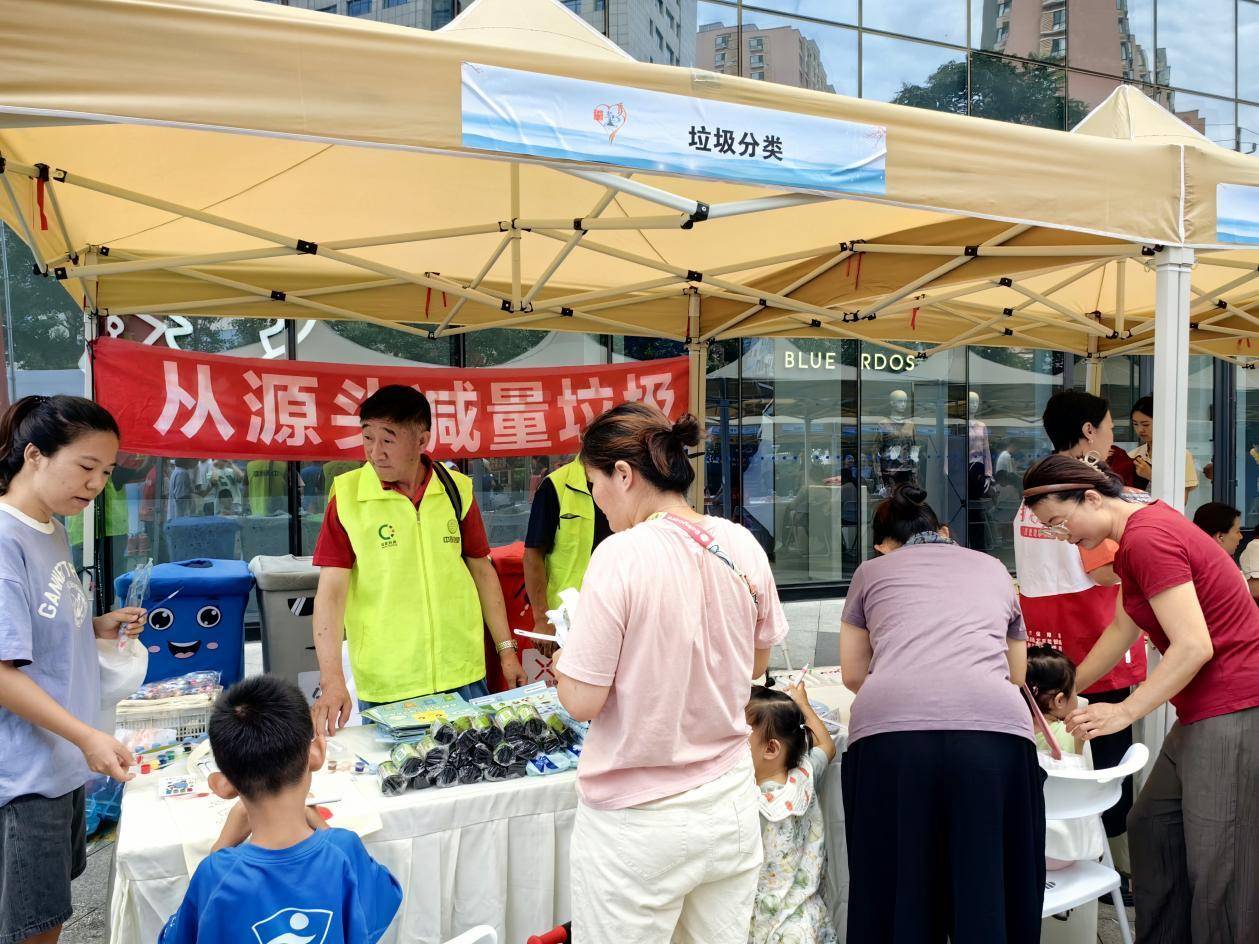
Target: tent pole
x,y
1172,269
698,351
1121,277
634,188
90,584
798,283
515,236
568,247
1085,322
480,277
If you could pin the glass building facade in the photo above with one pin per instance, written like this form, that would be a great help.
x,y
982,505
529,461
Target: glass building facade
x,y
804,436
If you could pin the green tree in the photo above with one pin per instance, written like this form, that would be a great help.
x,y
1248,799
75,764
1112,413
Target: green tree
x,y
47,325
1026,93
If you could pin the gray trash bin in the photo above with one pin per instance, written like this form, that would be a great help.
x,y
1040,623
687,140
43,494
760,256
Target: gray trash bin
x,y
286,599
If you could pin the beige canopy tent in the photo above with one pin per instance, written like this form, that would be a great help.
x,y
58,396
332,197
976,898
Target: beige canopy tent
x,y
230,157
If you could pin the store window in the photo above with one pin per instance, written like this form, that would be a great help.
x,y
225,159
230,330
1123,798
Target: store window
x,y
836,11
909,73
1025,93
805,54
1114,40
941,20
1007,389
1246,437
911,417
1214,118
1197,40
787,446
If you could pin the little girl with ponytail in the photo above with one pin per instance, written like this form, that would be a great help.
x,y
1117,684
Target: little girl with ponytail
x,y
790,750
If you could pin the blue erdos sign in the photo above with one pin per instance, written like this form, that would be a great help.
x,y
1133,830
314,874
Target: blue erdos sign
x,y
515,112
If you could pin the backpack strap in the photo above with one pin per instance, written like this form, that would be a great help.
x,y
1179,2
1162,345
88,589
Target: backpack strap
x,y
452,492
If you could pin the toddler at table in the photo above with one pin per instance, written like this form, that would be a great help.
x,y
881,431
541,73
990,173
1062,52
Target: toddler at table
x,y
790,750
294,880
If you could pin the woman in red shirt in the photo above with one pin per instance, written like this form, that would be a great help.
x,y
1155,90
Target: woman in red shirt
x,y
1194,831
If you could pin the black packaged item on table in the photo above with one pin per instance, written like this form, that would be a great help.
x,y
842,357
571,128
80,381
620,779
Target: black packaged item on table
x,y
517,769
485,729
443,777
496,773
523,746
465,734
420,781
408,759
469,773
550,744
443,732
503,754
432,754
392,783
481,755
557,727
535,727
510,721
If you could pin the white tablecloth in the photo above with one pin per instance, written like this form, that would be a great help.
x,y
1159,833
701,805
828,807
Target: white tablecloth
x,y
493,854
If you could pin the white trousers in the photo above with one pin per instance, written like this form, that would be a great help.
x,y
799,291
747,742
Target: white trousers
x,y
683,869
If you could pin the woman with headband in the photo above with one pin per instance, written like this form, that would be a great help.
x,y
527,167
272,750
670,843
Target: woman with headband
x,y
1194,831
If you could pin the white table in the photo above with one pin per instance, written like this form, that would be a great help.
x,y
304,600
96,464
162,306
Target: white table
x,y
494,853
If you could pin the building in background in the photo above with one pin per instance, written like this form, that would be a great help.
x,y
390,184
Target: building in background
x,y
661,31
779,54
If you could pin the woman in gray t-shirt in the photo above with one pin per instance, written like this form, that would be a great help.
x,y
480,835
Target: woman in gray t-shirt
x,y
56,454
944,812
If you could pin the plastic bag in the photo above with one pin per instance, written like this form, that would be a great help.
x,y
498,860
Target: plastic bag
x,y
122,672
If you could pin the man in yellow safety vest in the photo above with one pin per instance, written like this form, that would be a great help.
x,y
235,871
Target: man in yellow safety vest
x,y
405,572
565,526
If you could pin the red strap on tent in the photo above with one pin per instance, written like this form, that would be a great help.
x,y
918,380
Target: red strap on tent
x,y
857,281
428,295
39,202
1239,343
913,320
444,299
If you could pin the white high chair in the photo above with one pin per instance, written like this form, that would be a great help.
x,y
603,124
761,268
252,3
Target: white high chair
x,y
481,934
1075,794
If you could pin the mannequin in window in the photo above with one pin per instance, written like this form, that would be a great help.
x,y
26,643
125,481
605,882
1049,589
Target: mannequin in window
x,y
980,481
896,444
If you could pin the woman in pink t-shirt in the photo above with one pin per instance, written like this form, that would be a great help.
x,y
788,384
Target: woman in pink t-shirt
x,y
677,615
1194,830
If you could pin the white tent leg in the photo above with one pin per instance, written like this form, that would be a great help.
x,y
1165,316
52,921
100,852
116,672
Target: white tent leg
x,y
89,513
698,350
1172,268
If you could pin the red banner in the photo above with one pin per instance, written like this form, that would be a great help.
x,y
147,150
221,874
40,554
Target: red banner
x,y
184,404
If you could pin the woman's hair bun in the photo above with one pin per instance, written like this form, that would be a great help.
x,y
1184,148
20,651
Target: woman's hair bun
x,y
908,494
686,430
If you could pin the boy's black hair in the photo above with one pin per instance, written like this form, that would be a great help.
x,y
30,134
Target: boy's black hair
x,y
397,404
1065,414
260,732
777,717
1216,517
1048,673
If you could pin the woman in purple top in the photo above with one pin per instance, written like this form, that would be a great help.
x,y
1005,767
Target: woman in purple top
x,y
944,813
56,454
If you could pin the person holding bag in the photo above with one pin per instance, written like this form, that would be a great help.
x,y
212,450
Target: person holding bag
x,y
56,455
676,616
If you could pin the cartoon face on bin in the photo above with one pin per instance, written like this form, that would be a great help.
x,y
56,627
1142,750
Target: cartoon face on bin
x,y
187,632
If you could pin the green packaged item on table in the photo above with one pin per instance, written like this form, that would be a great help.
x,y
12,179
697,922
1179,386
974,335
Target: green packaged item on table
x,y
408,759
534,726
485,729
557,726
443,732
432,754
392,783
510,721
465,734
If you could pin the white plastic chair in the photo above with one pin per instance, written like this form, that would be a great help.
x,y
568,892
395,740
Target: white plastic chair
x,y
1075,794
481,934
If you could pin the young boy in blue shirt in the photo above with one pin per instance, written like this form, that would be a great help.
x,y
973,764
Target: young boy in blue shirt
x,y
295,881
